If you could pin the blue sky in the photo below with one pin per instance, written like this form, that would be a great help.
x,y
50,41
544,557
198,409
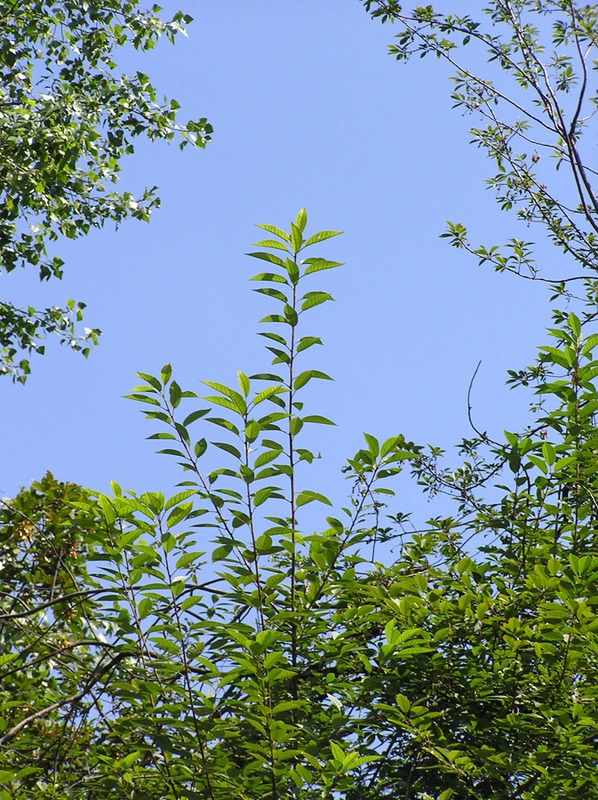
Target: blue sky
x,y
308,110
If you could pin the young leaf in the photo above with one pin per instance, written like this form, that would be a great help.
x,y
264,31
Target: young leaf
x,y
321,236
276,231
306,376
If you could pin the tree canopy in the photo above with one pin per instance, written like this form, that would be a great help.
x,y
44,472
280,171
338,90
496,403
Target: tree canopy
x,y
68,116
219,643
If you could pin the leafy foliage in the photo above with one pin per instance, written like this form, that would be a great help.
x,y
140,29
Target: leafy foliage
x,y
536,103
67,117
222,650
229,642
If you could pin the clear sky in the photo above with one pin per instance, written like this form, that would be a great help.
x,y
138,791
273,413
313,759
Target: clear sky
x,y
308,110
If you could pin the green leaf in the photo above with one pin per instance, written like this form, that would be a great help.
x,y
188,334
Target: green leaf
x,y
178,514
295,425
373,444
575,324
307,341
228,448
244,383
221,553
225,403
178,498
301,220
549,453
195,415
252,430
313,299
265,494
276,231
319,264
270,291
188,558
308,375
154,382
144,607
266,458
291,315
274,243
267,257
307,496
321,236
296,237
267,393
389,445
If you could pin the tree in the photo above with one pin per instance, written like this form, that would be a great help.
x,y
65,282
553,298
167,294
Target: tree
x,y
51,647
536,102
67,118
253,650
297,665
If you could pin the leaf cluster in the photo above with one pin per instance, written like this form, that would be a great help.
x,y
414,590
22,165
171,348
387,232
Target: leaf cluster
x,y
68,116
219,643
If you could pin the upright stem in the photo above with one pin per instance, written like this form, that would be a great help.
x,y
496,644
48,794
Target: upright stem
x,y
292,484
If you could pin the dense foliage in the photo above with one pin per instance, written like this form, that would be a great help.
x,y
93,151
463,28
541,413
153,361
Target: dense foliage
x,y
230,642
224,651
68,115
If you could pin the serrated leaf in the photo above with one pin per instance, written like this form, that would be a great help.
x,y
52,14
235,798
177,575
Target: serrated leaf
x,y
221,553
321,236
308,341
244,383
188,558
337,753
319,264
179,498
274,243
296,237
269,291
301,220
264,494
228,448
308,375
276,231
313,299
154,382
267,393
252,430
267,257
224,423
266,458
389,445
275,337
142,398
178,514
373,444
272,277
274,318
144,607
307,496
266,376
222,401
189,602
194,416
